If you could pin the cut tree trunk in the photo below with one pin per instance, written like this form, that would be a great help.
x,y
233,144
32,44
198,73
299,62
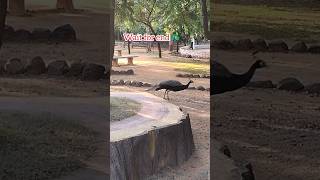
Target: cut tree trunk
x,y
66,5
3,13
17,7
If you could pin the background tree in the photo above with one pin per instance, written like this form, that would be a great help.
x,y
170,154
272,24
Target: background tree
x,y
17,7
3,13
66,5
205,17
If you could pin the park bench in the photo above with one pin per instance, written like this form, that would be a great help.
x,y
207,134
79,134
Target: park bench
x,y
129,58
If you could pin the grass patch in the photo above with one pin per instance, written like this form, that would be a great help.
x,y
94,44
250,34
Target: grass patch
x,y
268,22
122,108
42,146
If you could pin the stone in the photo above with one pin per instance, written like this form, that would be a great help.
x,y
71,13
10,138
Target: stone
x,y
223,44
64,33
58,68
299,47
196,76
128,83
201,88
22,35
192,88
8,33
313,88
290,84
261,84
41,34
36,66
14,66
278,46
314,49
179,75
3,67
260,44
121,82
226,151
76,69
244,44
115,82
130,72
147,85
92,72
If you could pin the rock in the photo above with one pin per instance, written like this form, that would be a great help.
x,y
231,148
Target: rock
x,y
244,44
226,151
76,69
313,88
299,47
196,76
130,72
22,35
127,83
179,75
261,84
36,66
8,33
201,88
64,33
314,49
92,72
138,84
147,85
290,84
192,88
207,89
278,46
41,34
223,44
246,171
14,66
114,83
260,44
121,82
58,68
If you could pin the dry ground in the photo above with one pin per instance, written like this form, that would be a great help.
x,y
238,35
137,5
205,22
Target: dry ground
x,y
276,131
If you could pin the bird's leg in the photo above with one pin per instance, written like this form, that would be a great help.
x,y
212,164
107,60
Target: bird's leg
x,y
164,96
168,95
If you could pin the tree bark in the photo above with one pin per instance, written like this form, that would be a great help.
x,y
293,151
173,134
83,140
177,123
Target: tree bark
x,y
205,18
17,7
66,5
3,13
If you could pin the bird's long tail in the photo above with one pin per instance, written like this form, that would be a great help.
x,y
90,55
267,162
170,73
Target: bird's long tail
x,y
154,88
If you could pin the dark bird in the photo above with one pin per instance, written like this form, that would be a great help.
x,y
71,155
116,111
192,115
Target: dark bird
x,y
170,85
222,80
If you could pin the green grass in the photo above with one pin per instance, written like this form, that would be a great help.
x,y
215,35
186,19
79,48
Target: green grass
x,y
122,108
42,146
268,22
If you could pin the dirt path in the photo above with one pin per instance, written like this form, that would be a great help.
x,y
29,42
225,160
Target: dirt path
x,y
91,112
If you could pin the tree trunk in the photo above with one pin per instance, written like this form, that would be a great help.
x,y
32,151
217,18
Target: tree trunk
x,y
3,13
205,18
159,49
17,7
129,49
66,5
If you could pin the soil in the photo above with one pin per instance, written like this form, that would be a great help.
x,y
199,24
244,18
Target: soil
x,y
277,131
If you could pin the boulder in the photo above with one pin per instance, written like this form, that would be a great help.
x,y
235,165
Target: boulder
x,y
76,69
41,34
222,44
121,82
130,72
36,66
128,83
147,85
299,47
64,33
22,35
260,44
261,84
314,49
92,72
8,33
14,66
244,44
290,84
58,68
278,46
201,88
313,88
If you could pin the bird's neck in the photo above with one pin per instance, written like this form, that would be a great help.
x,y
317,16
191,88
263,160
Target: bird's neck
x,y
249,74
187,85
